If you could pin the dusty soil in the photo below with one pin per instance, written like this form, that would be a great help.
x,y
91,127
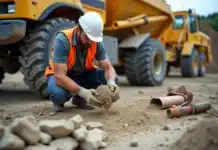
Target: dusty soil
x,y
202,136
129,116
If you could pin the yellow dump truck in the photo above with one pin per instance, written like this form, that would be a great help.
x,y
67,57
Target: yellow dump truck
x,y
132,36
186,46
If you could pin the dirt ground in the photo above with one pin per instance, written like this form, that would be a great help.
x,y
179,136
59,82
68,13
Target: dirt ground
x,y
129,119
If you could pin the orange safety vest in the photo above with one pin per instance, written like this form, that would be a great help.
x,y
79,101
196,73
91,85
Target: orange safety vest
x,y
90,57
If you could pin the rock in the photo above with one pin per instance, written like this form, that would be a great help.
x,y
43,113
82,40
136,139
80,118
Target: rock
x,y
27,129
57,128
212,97
51,113
193,118
103,145
140,92
77,120
166,128
40,147
80,134
66,143
9,141
105,95
125,125
93,125
161,145
94,140
41,114
45,138
134,143
8,117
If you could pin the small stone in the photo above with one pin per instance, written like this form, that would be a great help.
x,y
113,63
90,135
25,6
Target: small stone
x,y
65,143
166,139
193,118
161,145
125,126
77,120
94,140
94,125
8,117
80,134
45,138
166,128
40,147
177,129
212,97
51,113
140,92
103,145
27,129
9,141
41,114
134,143
57,128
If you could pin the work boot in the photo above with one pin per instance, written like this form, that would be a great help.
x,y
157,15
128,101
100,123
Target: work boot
x,y
57,108
81,103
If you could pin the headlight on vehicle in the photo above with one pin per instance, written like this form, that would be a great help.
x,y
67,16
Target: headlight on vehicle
x,y
11,8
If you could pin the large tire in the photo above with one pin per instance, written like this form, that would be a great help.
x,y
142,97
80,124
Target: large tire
x,y
202,64
36,51
2,74
190,64
146,66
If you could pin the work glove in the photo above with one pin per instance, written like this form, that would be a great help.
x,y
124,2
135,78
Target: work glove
x,y
88,95
114,88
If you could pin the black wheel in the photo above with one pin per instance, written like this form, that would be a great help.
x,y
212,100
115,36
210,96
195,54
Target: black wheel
x,y
202,64
146,66
36,51
190,65
2,74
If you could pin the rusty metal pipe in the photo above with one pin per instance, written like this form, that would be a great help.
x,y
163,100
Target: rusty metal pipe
x,y
136,21
188,110
167,101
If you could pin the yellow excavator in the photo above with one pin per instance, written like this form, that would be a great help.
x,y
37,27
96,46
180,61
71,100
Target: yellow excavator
x,y
132,36
186,46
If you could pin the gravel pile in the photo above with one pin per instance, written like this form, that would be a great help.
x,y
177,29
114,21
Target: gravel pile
x,y
25,133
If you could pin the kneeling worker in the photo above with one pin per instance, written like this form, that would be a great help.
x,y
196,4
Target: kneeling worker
x,y
71,71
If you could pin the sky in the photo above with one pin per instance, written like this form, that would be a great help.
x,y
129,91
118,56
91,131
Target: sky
x,y
202,7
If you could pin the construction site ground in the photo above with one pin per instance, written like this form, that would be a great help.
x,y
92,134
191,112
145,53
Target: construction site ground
x,y
129,119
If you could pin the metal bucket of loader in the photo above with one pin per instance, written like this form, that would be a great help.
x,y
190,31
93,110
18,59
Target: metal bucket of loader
x,y
152,16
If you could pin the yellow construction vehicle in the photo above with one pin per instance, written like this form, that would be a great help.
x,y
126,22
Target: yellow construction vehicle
x,y
132,32
186,46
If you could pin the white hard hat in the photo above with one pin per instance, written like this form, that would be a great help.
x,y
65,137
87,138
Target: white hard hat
x,y
93,26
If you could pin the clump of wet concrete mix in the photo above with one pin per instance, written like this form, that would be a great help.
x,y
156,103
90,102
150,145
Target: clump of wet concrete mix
x,y
25,133
106,96
203,136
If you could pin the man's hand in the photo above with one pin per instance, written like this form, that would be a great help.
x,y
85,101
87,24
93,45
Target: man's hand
x,y
113,86
88,95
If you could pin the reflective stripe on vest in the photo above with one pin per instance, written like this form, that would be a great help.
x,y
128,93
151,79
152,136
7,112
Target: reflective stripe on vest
x,y
90,57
